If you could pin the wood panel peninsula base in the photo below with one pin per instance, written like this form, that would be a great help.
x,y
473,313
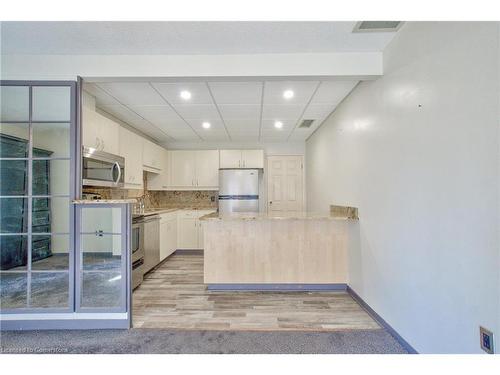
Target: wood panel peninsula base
x,y
261,251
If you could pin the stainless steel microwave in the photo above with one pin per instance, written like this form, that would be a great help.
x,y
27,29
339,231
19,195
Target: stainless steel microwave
x,y
100,168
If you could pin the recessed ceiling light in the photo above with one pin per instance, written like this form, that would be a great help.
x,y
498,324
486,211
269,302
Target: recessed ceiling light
x,y
186,95
278,124
206,125
288,94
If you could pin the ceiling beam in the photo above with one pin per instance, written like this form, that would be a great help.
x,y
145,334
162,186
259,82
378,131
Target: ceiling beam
x,y
345,65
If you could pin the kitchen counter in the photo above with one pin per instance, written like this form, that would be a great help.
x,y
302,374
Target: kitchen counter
x,y
292,215
104,201
294,248
159,211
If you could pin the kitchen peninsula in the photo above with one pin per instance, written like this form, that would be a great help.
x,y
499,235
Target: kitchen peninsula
x,y
267,250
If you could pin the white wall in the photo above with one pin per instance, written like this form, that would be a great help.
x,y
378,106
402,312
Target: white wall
x,y
418,152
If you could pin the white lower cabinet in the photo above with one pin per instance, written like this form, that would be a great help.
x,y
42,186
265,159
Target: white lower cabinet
x,y
168,234
190,229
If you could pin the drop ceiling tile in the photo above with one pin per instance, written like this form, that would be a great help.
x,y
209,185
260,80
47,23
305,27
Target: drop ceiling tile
x,y
280,112
236,92
126,115
211,136
236,123
132,93
156,114
299,136
332,92
245,137
268,124
172,92
303,90
243,111
215,124
204,112
101,97
318,111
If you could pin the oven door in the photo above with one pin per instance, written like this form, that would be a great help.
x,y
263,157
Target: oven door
x,y
137,242
102,169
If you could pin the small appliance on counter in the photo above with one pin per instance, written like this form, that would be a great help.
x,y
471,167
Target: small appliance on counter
x,y
100,168
238,190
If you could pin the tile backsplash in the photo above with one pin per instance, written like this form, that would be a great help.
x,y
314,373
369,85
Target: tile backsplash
x,y
156,199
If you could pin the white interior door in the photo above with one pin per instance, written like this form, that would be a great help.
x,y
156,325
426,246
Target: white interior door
x,y
285,183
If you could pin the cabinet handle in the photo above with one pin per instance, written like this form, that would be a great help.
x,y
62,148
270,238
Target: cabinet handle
x,y
244,163
192,182
197,182
97,143
239,163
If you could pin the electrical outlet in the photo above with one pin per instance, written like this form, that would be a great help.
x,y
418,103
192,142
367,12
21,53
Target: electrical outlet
x,y
486,340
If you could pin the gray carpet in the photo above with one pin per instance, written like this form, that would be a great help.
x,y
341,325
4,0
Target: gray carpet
x,y
210,342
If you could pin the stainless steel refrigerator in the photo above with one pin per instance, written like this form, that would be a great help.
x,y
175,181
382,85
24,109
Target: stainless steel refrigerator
x,y
238,190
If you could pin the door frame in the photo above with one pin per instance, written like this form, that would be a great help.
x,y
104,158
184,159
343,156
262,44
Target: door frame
x,y
266,173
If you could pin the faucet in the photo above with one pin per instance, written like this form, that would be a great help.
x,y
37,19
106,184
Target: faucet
x,y
141,203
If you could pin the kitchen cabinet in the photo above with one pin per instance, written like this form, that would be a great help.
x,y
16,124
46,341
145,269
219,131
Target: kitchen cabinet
x,y
161,180
183,168
241,158
168,234
194,170
99,132
190,229
152,155
131,149
207,168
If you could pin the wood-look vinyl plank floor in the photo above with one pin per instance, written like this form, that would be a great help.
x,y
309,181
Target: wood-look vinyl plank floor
x,y
174,296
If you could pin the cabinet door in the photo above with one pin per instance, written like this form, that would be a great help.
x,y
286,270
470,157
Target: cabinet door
x,y
187,233
199,224
183,167
252,158
160,181
89,129
130,147
171,236
164,240
230,158
207,168
108,134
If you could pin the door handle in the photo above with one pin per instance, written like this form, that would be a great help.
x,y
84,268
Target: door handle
x,y
116,165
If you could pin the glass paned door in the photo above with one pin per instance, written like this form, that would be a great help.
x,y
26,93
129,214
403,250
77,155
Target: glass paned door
x,y
102,257
37,184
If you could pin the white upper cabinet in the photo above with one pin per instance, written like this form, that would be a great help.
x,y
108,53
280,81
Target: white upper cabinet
x,y
152,155
160,181
131,149
230,158
99,132
252,158
183,167
242,158
194,170
207,168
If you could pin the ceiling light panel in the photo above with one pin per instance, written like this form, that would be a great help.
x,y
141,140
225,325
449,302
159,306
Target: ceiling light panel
x,y
236,92
172,92
133,93
303,90
268,124
197,124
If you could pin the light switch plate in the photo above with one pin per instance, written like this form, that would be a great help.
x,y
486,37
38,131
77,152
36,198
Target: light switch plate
x,y
486,340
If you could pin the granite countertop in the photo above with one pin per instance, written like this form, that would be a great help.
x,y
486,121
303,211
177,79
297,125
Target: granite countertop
x,y
293,215
159,211
104,201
